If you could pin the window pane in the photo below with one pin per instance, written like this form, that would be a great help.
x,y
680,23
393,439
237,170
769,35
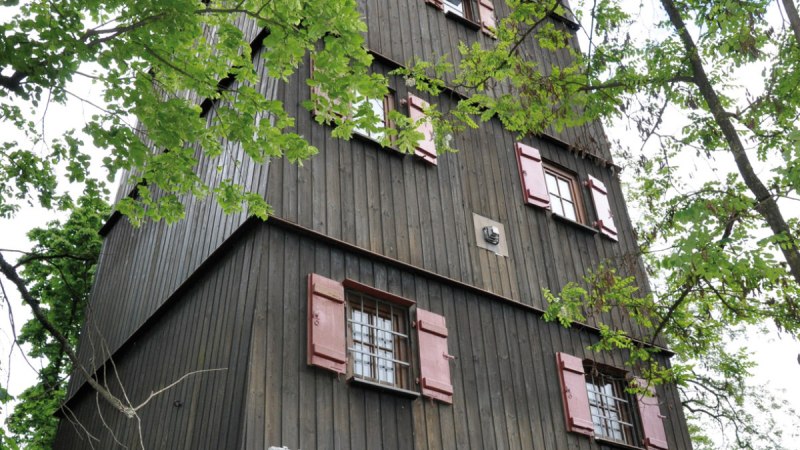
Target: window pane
x,y
454,6
385,338
361,361
610,408
563,186
385,366
552,184
360,332
376,104
569,211
555,203
379,344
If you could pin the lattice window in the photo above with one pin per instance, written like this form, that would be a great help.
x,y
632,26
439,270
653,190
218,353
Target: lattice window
x,y
564,194
378,340
610,407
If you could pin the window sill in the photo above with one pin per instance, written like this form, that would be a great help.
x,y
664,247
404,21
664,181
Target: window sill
x,y
573,223
467,22
382,387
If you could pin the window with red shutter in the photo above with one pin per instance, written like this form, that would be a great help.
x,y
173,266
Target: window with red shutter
x,y
574,394
326,332
531,172
426,148
434,360
377,337
597,403
653,433
605,218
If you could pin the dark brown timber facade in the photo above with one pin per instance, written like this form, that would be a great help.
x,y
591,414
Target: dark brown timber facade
x,y
375,310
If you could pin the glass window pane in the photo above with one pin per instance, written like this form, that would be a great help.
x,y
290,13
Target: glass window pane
x,y
376,104
384,338
563,186
378,350
454,6
555,203
385,367
361,361
552,184
360,332
569,211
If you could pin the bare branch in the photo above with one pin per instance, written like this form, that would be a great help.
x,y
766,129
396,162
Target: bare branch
x,y
173,384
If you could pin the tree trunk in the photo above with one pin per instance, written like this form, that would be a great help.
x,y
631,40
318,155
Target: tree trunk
x,y
766,205
794,18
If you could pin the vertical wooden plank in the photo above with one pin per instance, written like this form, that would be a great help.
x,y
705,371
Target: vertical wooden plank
x,y
274,294
255,430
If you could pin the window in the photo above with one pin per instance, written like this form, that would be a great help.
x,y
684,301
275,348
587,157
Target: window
x,y
597,404
548,186
457,7
380,108
378,343
365,333
610,407
484,19
562,187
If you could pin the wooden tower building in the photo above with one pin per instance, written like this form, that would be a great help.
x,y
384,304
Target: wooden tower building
x,y
392,301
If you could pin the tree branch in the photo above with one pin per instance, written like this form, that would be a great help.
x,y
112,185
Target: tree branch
x,y
10,272
794,18
30,257
766,204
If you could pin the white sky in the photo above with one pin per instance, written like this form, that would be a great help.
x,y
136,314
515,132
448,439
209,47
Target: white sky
x,y
777,358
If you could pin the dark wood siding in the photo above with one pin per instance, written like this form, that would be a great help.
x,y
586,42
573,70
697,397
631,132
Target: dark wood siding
x,y
143,267
172,299
399,206
505,380
207,327
376,198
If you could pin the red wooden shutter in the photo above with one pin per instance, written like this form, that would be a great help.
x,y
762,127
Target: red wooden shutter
x,y
531,174
655,438
426,148
327,347
574,394
437,3
605,218
486,12
434,361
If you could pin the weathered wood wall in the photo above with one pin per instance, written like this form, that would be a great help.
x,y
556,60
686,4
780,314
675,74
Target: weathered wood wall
x,y
401,207
248,315
207,327
506,389
172,299
377,198
141,268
